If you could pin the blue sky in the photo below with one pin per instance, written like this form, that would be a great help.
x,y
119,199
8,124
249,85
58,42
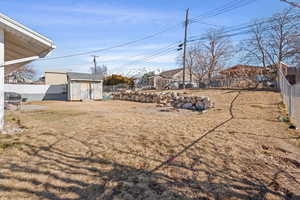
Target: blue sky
x,y
84,25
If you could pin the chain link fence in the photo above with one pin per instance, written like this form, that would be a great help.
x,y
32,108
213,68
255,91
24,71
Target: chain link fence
x,y
115,88
291,98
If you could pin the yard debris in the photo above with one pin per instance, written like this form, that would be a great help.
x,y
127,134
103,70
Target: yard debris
x,y
167,99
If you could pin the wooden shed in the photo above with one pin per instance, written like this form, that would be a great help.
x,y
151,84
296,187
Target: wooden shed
x,y
83,86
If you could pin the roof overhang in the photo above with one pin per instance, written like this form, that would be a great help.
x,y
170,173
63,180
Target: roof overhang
x,y
22,44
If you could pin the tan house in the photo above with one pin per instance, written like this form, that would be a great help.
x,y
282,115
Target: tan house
x,y
173,79
56,77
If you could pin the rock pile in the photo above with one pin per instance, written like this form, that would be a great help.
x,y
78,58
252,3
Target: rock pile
x,y
173,99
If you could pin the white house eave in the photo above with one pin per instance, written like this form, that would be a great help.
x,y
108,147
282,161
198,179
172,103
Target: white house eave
x,y
22,60
11,25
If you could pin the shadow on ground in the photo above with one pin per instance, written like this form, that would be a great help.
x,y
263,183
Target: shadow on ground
x,y
53,174
75,166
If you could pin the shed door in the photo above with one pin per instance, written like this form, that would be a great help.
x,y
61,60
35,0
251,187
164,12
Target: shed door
x,y
96,90
85,90
76,91
80,91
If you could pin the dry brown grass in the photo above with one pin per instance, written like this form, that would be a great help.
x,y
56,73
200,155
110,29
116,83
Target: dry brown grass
x,y
77,150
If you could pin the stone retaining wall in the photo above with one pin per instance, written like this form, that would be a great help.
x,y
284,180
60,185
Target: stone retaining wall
x,y
173,99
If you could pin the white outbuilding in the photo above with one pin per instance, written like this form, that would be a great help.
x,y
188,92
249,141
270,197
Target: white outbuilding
x,y
19,45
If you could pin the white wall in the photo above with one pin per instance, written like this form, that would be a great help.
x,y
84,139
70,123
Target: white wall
x,y
38,92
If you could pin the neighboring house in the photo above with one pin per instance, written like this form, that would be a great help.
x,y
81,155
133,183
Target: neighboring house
x,y
56,77
238,70
173,79
253,74
83,86
293,75
243,76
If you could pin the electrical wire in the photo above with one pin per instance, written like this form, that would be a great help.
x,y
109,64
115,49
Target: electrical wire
x,y
245,28
225,8
232,5
112,47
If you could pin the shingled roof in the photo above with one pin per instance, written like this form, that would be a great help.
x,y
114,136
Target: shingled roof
x,y
241,67
170,73
83,76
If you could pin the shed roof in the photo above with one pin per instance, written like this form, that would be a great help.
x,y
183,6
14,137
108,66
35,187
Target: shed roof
x,y
57,71
75,76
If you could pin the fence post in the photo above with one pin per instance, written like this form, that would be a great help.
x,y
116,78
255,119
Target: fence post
x,y
293,91
290,100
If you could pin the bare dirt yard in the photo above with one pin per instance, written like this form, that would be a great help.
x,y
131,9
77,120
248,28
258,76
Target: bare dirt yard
x,y
116,150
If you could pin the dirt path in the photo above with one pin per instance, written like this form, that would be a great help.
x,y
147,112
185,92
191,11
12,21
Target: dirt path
x,y
116,150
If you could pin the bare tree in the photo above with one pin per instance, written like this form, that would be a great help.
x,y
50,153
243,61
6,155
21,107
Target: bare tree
x,y
206,58
215,52
283,37
255,46
196,63
273,41
291,3
191,61
199,63
22,75
100,71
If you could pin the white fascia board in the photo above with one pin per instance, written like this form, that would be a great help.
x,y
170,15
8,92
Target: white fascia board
x,y
88,80
12,25
12,62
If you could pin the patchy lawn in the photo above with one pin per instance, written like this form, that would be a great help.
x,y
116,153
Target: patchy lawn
x,y
108,150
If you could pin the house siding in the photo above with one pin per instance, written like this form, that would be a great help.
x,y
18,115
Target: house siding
x,y
55,78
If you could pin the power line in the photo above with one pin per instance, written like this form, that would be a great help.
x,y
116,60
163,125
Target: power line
x,y
225,8
232,5
245,28
157,53
169,49
231,31
112,47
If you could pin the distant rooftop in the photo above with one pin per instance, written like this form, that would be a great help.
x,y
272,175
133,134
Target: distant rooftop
x,y
83,76
170,73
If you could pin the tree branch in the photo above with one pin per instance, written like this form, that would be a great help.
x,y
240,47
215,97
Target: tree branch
x,y
291,3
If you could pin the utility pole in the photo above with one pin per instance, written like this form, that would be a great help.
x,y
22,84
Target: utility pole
x,y
186,23
191,74
95,64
